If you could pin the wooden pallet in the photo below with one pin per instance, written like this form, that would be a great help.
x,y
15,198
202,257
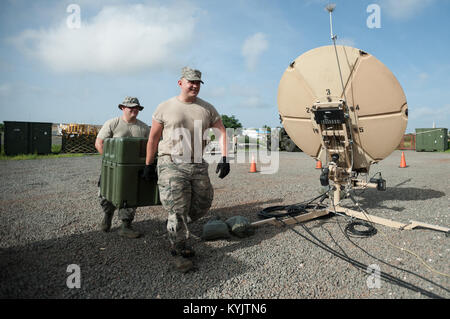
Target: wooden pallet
x,y
78,143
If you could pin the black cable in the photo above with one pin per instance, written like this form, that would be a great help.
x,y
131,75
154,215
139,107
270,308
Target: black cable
x,y
292,210
297,209
360,265
390,265
370,231
350,228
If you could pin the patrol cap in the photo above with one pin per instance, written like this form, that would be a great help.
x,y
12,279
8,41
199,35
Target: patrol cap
x,y
130,101
191,74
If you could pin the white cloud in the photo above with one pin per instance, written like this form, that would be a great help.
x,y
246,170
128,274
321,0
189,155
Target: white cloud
x,y
252,49
403,9
118,39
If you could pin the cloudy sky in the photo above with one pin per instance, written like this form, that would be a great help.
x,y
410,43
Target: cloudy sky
x,y
74,61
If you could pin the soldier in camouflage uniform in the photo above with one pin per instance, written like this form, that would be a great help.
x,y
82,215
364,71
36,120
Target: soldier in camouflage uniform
x,y
185,188
126,125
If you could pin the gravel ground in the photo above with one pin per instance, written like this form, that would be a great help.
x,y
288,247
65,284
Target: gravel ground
x,y
49,216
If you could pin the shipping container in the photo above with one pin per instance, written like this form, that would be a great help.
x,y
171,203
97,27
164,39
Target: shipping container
x,y
41,138
431,139
27,137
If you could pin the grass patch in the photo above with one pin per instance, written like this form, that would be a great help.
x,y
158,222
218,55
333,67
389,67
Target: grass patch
x,y
56,149
36,156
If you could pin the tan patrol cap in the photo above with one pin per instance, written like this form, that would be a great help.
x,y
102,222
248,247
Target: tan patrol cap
x,y
191,74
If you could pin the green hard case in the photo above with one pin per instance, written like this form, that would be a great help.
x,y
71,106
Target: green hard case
x,y
121,183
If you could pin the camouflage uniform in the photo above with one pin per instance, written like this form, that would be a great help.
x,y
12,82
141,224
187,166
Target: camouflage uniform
x,y
185,191
185,188
116,127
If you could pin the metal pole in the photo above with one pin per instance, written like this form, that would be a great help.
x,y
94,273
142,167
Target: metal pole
x,y
330,8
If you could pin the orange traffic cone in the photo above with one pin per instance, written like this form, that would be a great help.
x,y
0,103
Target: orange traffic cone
x,y
318,164
253,165
402,161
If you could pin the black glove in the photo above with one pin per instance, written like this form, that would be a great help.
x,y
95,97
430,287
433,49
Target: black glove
x,y
150,173
223,167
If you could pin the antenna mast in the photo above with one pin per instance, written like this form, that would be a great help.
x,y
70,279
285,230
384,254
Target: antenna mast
x,y
330,8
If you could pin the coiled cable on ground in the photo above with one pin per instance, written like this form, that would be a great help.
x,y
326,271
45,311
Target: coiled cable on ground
x,y
369,231
292,210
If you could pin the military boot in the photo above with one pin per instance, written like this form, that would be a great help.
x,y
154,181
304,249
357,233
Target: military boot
x,y
127,231
106,222
182,249
182,264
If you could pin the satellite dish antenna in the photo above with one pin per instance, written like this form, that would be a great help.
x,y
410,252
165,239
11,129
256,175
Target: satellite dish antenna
x,y
362,122
344,107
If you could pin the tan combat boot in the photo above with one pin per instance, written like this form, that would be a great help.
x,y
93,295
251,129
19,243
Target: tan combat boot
x,y
106,222
127,231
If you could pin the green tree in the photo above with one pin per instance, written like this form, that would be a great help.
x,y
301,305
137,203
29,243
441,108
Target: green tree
x,y
268,132
230,121
267,128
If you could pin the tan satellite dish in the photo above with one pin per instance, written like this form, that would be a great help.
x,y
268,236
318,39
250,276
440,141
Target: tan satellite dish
x,y
343,107
368,118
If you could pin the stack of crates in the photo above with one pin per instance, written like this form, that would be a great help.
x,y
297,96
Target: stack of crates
x,y
78,138
123,163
